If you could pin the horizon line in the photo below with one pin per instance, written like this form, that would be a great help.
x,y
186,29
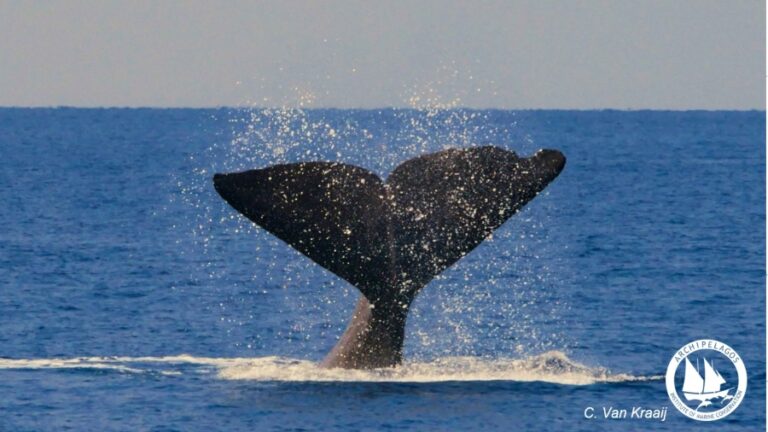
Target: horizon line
x,y
382,108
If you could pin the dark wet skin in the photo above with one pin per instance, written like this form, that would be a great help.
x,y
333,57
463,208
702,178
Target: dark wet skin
x,y
388,239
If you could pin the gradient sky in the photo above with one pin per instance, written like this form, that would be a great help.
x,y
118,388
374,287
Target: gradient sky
x,y
504,54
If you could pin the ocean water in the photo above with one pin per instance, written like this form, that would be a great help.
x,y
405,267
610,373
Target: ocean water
x,y
133,298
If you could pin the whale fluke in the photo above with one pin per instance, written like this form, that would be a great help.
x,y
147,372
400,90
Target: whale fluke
x,y
329,212
388,239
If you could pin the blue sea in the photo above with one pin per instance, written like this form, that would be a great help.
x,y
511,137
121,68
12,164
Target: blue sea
x,y
132,298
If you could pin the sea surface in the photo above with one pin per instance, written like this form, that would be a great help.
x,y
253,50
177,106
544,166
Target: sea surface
x,y
132,298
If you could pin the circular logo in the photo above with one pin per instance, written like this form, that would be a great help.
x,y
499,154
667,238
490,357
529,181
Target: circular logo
x,y
706,380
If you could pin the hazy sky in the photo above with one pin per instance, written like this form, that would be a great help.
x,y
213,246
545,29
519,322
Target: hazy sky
x,y
506,54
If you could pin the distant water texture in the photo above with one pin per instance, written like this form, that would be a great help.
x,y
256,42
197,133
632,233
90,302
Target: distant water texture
x,y
133,298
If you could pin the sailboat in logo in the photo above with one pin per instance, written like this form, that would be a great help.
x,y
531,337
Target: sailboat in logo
x,y
696,388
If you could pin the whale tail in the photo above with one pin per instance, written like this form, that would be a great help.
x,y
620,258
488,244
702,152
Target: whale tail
x,y
390,239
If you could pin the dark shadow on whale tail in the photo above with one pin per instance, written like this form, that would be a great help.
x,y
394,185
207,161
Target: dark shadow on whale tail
x,y
388,239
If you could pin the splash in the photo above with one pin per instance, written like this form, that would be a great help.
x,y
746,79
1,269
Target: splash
x,y
551,367
497,304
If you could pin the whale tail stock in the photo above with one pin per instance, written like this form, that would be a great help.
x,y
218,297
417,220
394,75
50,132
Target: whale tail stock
x,y
388,239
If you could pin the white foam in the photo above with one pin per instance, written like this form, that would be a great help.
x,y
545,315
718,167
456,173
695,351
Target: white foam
x,y
59,363
553,367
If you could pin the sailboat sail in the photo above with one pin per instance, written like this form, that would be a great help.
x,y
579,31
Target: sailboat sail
x,y
712,379
693,382
702,389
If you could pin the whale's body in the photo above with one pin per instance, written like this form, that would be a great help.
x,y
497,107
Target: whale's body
x,y
388,239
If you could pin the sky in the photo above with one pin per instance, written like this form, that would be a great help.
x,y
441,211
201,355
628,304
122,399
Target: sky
x,y
682,54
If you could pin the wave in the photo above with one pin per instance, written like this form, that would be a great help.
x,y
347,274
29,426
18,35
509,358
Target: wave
x,y
552,367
